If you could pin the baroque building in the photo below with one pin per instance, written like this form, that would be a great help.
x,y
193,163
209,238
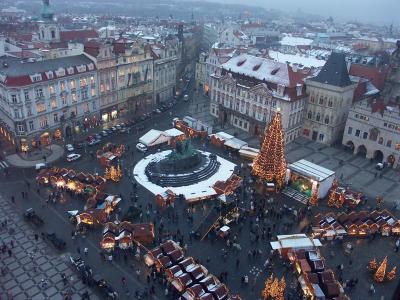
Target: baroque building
x,y
247,91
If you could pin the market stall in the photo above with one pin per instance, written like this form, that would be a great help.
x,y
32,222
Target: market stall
x,y
220,138
175,136
235,144
165,199
286,244
153,138
308,178
249,153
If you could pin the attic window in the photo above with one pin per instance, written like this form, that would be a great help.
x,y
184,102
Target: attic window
x,y
241,62
91,66
36,77
70,70
60,72
274,71
256,67
50,75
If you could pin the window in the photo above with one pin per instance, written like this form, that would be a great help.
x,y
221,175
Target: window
x,y
55,118
309,115
312,99
31,126
380,141
93,92
245,125
318,117
64,100
389,143
40,107
327,120
29,111
53,34
51,89
72,84
330,103
365,135
235,121
16,113
53,103
62,86
74,98
84,94
26,95
373,134
358,132
21,128
82,82
39,93
43,122
321,100
321,137
349,130
14,98
92,79
397,146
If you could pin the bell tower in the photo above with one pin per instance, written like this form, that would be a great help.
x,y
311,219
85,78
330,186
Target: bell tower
x,y
48,28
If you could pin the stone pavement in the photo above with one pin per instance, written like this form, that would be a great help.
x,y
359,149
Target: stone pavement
x,y
30,262
18,160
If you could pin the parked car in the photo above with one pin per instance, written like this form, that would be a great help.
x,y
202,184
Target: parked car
x,y
158,111
90,138
141,148
32,217
73,157
123,129
94,142
98,136
69,147
104,133
57,242
114,129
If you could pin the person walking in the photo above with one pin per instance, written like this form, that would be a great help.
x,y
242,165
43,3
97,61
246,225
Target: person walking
x,y
86,251
397,245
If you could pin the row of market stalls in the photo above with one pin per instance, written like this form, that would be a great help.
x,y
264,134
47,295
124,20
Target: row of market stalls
x,y
157,137
125,234
315,279
190,279
70,180
109,153
221,187
357,224
192,127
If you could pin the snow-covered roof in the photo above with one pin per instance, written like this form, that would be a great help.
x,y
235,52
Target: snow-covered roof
x,y
311,170
295,41
235,143
223,136
295,241
191,192
173,132
153,137
297,59
262,68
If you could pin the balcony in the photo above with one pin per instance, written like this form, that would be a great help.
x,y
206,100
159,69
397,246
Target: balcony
x,y
39,98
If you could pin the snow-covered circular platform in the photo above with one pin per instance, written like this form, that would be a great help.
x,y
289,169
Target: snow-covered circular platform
x,y
198,190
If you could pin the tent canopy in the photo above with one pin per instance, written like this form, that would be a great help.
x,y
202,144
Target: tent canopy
x,y
153,137
173,132
235,143
311,170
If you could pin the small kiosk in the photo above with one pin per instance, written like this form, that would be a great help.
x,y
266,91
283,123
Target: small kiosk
x,y
307,177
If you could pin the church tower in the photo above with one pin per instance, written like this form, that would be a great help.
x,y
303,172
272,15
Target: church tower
x,y
48,29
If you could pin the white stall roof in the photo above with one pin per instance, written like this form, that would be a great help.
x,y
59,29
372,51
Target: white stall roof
x,y
235,143
223,136
311,170
295,241
173,132
153,137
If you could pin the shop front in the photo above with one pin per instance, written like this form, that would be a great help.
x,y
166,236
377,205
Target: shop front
x,y
109,114
307,177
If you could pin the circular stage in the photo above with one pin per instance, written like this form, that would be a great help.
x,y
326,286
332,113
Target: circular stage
x,y
192,177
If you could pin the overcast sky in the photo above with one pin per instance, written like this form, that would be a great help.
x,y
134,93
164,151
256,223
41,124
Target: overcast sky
x,y
374,11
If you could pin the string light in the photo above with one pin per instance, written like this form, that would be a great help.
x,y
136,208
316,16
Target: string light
x,y
270,163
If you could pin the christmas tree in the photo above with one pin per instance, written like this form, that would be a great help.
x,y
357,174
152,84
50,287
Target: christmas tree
x,y
392,274
380,273
332,194
314,198
270,163
113,173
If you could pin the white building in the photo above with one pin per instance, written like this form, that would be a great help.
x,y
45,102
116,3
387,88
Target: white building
x,y
45,100
234,37
247,91
373,131
292,44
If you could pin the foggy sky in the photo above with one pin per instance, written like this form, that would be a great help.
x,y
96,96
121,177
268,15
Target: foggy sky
x,y
371,11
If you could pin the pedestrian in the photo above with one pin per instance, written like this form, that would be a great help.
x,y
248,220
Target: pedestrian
x,y
36,237
372,289
78,249
397,245
38,191
123,280
9,252
237,263
12,199
86,251
23,195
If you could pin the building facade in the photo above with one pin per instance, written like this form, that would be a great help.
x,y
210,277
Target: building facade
x,y
247,91
135,79
44,101
331,95
105,59
373,131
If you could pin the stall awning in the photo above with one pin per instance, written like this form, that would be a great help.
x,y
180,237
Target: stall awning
x,y
154,137
311,170
223,136
235,143
173,132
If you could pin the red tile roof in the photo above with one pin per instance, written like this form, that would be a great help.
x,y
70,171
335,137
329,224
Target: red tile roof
x,y
375,75
78,35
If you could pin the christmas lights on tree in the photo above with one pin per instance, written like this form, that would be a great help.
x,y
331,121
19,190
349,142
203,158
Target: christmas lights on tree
x,y
373,265
270,163
314,198
274,288
332,194
113,173
381,271
392,274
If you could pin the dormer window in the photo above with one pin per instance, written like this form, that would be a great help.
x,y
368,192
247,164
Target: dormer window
x,y
280,89
50,75
36,77
60,72
70,70
299,89
90,67
81,68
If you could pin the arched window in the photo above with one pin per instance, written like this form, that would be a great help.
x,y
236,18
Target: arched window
x,y
309,115
327,120
318,117
321,100
380,141
330,103
373,134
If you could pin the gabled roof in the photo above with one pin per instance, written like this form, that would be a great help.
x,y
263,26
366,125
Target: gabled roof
x,y
376,75
78,35
334,72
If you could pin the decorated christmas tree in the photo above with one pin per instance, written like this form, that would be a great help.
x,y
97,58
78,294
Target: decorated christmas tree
x,y
392,274
332,194
381,271
270,163
113,173
314,198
